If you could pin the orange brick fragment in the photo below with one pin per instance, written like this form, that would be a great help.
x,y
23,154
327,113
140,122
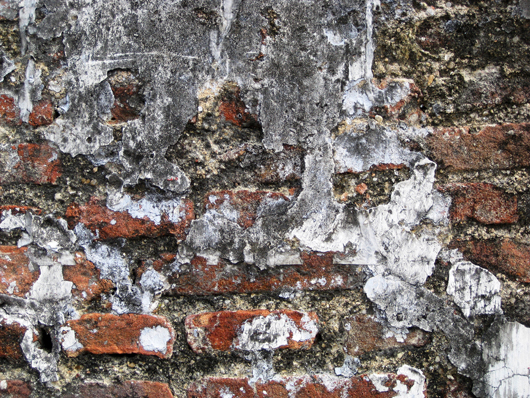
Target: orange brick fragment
x,y
118,334
506,256
96,216
504,146
16,276
484,203
41,114
14,389
365,334
314,386
11,335
317,272
245,203
127,389
29,163
86,279
251,330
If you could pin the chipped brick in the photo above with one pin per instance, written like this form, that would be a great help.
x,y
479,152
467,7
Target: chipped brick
x,y
14,389
118,334
9,112
314,386
17,275
506,256
503,146
42,114
127,389
245,203
317,272
481,202
98,218
233,109
251,330
128,101
85,276
286,165
29,163
365,334
11,335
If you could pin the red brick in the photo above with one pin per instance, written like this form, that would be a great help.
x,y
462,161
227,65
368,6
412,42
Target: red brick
x,y
503,146
42,114
9,112
317,272
86,279
224,330
506,256
245,203
118,334
456,390
365,334
315,386
30,163
96,216
213,387
11,335
233,109
16,276
481,202
128,102
14,389
127,389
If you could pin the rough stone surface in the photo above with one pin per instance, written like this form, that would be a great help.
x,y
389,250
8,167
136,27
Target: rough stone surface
x,y
362,162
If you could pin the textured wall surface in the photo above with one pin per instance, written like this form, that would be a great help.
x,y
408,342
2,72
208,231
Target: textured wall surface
x,y
242,198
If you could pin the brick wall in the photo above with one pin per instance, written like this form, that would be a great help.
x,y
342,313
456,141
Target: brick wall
x,y
264,199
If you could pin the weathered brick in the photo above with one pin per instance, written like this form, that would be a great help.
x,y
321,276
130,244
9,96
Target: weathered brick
x,y
233,109
97,217
503,146
506,256
365,334
481,202
127,389
128,101
407,108
9,112
29,163
86,279
245,203
317,272
41,114
118,334
14,389
16,274
278,167
251,330
314,386
11,335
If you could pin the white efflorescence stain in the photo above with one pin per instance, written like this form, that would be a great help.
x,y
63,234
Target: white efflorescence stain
x,y
273,331
68,339
155,339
